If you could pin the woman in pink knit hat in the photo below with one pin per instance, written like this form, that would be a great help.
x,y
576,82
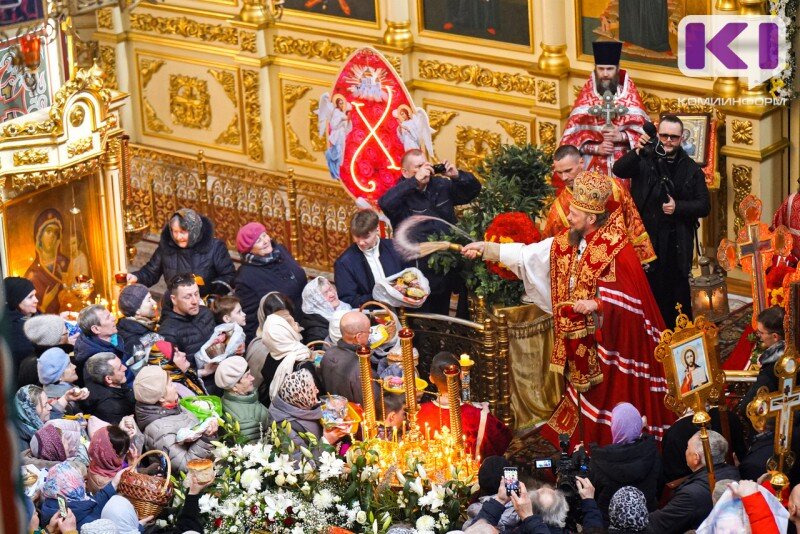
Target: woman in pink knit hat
x,y
266,266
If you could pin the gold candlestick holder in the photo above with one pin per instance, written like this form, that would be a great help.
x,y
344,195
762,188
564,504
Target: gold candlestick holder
x,y
452,375
370,427
406,336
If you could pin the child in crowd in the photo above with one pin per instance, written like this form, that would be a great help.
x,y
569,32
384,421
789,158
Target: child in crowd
x,y
485,434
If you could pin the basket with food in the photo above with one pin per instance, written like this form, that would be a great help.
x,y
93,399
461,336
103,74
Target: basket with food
x,y
337,411
408,288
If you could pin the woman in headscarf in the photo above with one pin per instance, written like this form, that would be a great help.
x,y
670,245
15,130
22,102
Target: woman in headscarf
x,y
107,452
632,459
66,480
297,403
257,352
320,301
57,441
32,412
48,270
627,511
266,267
121,512
287,353
188,245
21,304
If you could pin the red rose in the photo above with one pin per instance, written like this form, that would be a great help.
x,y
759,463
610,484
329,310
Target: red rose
x,y
218,522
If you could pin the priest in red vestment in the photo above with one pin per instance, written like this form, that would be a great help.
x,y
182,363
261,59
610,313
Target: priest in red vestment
x,y
789,216
607,323
483,432
602,144
567,164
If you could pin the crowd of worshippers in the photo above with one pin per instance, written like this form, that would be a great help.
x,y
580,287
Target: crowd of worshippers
x,y
94,394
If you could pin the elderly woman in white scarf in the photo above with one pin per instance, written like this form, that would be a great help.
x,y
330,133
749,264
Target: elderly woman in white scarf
x,y
283,339
320,302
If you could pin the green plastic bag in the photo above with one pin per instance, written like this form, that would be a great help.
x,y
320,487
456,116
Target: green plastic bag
x,y
203,406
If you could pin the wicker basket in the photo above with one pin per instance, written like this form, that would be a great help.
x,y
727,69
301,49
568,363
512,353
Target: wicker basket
x,y
388,317
148,494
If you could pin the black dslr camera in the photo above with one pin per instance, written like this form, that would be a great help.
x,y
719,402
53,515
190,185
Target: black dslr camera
x,y
439,168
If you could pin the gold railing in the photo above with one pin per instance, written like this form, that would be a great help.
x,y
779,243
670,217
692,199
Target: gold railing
x,y
307,215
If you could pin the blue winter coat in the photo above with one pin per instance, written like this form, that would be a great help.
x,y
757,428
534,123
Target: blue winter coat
x,y
85,511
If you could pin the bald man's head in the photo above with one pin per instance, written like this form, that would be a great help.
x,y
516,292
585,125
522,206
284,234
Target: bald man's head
x,y
355,328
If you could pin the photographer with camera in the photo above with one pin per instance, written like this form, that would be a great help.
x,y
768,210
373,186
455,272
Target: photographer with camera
x,y
435,190
669,189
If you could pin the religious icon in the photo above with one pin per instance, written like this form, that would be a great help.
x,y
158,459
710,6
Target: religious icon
x,y
48,243
369,123
16,98
648,28
347,9
691,364
414,129
695,139
334,122
499,20
691,360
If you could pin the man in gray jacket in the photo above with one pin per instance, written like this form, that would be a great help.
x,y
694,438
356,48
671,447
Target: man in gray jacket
x,y
166,425
339,369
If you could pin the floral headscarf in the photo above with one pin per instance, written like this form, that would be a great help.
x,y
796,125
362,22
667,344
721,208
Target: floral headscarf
x,y
298,390
65,480
314,302
28,421
71,431
103,459
46,444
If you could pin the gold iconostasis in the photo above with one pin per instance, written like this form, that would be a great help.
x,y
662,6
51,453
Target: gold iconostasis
x,y
241,82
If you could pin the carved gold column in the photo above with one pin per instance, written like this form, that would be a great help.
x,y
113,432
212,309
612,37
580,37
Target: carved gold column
x,y
754,147
727,87
452,375
759,91
202,182
406,336
294,220
553,59
112,212
398,24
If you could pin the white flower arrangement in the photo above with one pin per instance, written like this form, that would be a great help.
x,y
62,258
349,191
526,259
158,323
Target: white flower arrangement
x,y
275,486
782,86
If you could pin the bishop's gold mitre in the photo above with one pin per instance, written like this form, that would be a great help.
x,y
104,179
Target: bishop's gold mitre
x,y
591,191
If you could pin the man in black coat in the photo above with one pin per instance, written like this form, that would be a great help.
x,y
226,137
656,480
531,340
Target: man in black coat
x,y
691,503
421,191
671,195
188,245
366,261
110,398
676,437
188,325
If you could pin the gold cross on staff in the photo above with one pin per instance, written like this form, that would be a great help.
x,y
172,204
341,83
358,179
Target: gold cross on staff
x,y
782,404
753,250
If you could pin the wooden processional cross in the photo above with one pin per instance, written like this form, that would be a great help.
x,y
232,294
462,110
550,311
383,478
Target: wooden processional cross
x,y
782,404
753,250
608,109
